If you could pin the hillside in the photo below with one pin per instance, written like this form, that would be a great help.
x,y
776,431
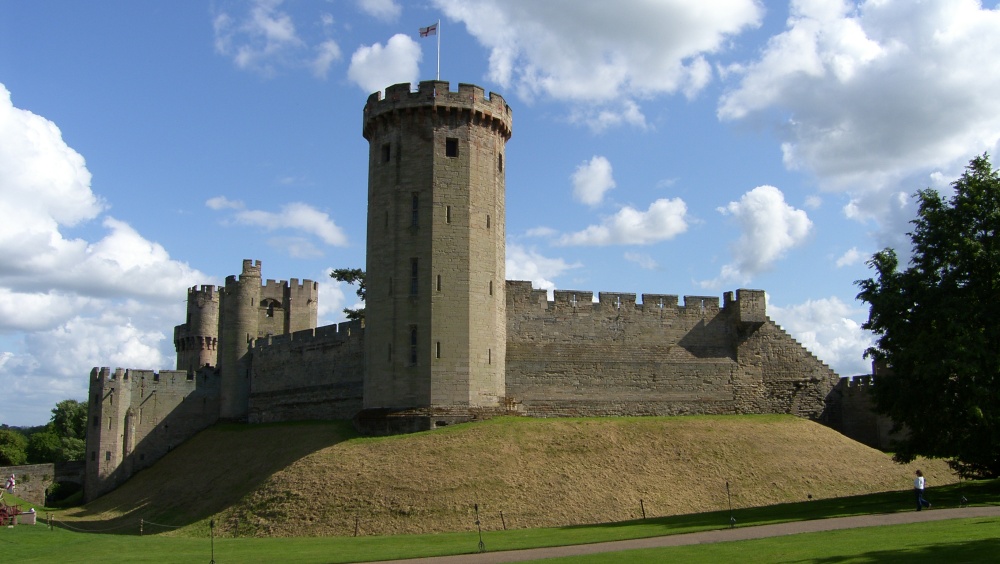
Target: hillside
x,y
321,479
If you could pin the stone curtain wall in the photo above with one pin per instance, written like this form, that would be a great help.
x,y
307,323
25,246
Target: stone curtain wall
x,y
778,375
573,357
852,412
314,374
137,416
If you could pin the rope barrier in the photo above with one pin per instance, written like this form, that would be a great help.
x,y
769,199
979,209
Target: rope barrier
x,y
159,525
72,528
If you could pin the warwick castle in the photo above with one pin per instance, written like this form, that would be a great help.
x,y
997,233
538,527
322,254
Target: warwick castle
x,y
446,338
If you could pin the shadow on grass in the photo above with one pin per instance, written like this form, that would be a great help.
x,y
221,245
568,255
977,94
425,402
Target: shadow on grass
x,y
975,493
198,479
985,550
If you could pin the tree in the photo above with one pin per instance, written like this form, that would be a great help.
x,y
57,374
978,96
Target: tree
x,y
354,276
12,448
69,419
937,327
43,447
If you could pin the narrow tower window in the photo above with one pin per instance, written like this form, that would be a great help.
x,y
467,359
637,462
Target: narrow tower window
x,y
487,222
437,350
447,215
451,147
413,345
439,283
415,207
386,153
491,287
500,162
414,276
489,356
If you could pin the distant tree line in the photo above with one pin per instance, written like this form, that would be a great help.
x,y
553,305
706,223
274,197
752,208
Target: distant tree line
x,y
62,439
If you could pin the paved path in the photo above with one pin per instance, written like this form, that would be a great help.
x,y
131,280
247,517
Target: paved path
x,y
722,535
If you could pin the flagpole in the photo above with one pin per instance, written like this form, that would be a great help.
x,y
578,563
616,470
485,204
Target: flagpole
x,y
439,49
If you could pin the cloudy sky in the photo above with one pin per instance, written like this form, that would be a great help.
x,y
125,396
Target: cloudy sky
x,y
660,146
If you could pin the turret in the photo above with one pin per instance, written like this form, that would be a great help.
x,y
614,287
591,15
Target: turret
x,y
238,328
196,341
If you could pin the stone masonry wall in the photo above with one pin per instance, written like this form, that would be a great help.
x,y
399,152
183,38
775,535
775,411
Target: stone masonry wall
x,y
778,375
313,374
137,416
853,413
32,481
573,357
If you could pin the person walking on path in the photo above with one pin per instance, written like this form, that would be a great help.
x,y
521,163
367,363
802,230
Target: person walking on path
x,y
918,487
10,485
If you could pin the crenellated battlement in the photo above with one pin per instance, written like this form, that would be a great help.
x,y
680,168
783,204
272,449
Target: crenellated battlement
x,y
251,267
205,291
434,96
105,376
863,382
336,333
520,294
251,270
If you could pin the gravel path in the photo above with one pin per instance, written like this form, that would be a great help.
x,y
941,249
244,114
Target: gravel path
x,y
722,535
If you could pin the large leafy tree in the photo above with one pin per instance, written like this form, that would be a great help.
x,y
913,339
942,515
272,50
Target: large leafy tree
x,y
12,447
354,276
69,419
937,327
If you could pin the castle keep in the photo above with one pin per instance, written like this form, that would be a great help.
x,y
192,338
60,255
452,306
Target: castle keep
x,y
446,337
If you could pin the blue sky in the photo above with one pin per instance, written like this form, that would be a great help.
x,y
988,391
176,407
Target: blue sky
x,y
667,146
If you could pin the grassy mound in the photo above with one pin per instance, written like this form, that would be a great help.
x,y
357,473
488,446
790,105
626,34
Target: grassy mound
x,y
321,479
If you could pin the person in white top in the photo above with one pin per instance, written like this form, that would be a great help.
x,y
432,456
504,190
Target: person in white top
x,y
918,487
9,486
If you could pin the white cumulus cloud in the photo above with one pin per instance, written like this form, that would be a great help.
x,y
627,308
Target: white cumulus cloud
x,y
600,53
528,264
870,94
664,220
769,228
262,37
851,257
376,66
385,10
67,304
831,330
295,216
591,180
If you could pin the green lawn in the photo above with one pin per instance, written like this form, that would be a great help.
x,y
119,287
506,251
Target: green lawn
x,y
959,540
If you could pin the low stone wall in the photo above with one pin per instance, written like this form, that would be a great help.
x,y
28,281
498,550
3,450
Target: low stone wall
x,y
32,480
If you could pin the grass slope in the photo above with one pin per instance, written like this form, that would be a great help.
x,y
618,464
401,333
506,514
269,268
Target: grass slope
x,y
320,479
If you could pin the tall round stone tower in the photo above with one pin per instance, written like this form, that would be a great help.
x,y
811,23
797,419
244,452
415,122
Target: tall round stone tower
x,y
237,327
197,340
435,311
